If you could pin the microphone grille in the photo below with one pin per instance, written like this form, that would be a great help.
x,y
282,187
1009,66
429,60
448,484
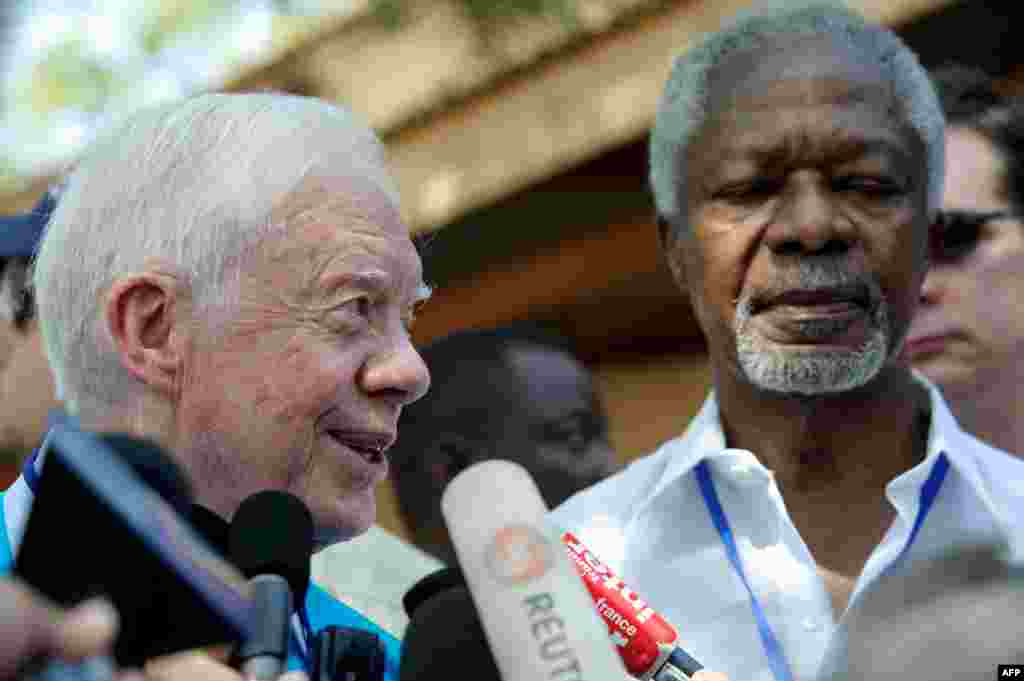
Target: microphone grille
x,y
272,533
431,585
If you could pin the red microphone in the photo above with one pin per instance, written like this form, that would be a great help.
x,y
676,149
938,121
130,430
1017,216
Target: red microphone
x,y
646,641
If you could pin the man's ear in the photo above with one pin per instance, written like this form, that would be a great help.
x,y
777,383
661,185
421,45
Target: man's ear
x,y
670,250
140,317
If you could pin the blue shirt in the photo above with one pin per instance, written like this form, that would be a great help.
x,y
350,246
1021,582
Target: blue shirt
x,y
324,610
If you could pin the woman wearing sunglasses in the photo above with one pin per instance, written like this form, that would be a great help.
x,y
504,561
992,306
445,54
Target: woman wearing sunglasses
x,y
968,336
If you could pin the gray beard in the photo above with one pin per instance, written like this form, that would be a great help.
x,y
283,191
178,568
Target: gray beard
x,y
775,368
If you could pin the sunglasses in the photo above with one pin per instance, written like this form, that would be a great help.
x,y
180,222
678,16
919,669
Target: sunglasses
x,y
956,233
17,305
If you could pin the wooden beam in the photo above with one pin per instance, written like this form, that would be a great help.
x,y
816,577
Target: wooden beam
x,y
536,125
469,122
609,290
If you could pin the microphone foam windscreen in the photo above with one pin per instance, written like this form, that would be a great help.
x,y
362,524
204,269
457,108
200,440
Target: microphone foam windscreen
x,y
272,534
154,466
431,585
445,640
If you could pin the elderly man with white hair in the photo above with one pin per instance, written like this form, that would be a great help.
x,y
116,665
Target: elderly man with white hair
x,y
797,164
230,277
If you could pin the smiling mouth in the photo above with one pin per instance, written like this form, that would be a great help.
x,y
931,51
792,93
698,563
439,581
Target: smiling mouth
x,y
369,450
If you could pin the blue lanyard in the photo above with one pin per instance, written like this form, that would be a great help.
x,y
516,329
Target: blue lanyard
x,y
772,648
305,652
28,471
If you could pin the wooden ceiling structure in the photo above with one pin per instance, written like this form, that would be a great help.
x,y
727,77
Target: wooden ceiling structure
x,y
525,142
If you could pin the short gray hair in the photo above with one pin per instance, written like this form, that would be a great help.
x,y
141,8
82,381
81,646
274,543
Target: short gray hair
x,y
684,102
194,184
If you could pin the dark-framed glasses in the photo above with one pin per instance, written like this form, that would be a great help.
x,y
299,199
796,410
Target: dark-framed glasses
x,y
956,233
17,306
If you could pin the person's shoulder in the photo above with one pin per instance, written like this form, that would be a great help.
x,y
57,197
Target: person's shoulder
x,y
617,495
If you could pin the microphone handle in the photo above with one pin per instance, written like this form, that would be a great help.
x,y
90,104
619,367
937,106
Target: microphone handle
x,y
263,656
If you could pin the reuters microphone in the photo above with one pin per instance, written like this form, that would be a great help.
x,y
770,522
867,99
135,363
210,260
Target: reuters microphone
x,y
539,620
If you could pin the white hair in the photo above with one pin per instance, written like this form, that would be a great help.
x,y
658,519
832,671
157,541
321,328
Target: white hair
x,y
684,102
192,183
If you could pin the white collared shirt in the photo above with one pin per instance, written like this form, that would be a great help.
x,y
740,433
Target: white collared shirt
x,y
651,525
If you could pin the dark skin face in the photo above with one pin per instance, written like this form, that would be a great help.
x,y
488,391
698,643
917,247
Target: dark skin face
x,y
817,163
806,158
539,409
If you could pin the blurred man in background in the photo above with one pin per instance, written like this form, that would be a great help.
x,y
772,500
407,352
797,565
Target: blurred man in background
x,y
514,393
797,167
246,306
26,386
968,335
953,618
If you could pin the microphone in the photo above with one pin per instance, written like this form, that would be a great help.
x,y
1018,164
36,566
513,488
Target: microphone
x,y
444,638
348,654
271,542
107,521
444,623
536,613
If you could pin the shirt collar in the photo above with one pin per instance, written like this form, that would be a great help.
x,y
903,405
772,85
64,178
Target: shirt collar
x,y
704,439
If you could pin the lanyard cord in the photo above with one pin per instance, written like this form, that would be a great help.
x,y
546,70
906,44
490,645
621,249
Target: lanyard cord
x,y
772,648
305,647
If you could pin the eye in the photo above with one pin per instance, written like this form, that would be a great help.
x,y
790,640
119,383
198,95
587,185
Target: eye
x,y
880,187
411,314
353,314
748,190
363,307
575,431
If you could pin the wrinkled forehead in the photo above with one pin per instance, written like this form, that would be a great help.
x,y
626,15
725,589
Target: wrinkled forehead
x,y
346,222
350,196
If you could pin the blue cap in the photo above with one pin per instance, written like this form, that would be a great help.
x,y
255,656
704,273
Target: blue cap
x,y
20,234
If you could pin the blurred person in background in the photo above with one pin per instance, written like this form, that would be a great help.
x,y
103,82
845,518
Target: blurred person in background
x,y
968,334
26,385
246,306
952,618
797,167
515,393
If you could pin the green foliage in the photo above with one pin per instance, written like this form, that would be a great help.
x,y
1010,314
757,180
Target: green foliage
x,y
172,18
69,76
487,12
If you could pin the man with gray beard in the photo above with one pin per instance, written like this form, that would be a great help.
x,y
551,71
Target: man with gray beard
x,y
797,165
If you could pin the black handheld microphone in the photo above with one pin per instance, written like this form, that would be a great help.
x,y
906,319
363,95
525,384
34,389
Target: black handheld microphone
x,y
107,520
271,542
445,638
348,654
